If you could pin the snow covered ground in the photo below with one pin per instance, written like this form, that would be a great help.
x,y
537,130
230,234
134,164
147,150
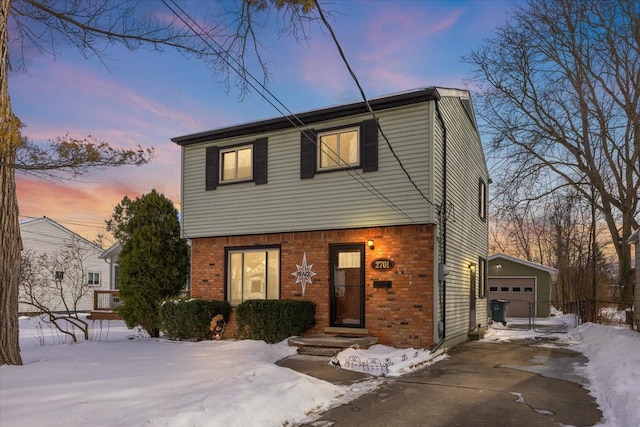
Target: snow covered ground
x,y
122,377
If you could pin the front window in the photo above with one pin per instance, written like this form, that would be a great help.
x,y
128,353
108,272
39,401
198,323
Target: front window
x,y
236,164
93,278
338,149
253,274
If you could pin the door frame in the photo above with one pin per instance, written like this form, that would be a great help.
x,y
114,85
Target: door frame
x,y
334,248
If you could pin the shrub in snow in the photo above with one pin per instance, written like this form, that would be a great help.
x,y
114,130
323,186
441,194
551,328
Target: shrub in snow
x,y
190,319
275,320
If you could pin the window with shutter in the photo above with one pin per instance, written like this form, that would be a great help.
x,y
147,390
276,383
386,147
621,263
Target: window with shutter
x,y
353,147
236,164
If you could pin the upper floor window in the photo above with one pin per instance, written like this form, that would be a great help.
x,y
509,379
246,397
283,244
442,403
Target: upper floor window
x,y
236,164
93,278
253,273
338,148
482,200
353,146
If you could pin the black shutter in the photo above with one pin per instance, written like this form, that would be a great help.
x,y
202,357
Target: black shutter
x,y
369,145
260,161
211,168
308,153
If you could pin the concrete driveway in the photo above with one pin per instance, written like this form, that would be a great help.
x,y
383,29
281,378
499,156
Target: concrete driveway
x,y
520,383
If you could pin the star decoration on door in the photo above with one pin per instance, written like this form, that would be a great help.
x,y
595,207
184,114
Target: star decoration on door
x,y
304,273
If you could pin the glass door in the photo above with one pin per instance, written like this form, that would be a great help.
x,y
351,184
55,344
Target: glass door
x,y
347,285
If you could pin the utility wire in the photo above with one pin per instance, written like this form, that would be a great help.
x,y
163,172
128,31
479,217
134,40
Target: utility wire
x,y
360,179
364,97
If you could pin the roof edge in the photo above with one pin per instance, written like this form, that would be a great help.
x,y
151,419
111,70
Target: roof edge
x,y
524,262
310,117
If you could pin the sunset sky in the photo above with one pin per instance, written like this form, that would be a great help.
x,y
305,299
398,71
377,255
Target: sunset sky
x,y
146,98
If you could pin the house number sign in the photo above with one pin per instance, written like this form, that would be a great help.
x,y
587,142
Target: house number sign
x,y
382,264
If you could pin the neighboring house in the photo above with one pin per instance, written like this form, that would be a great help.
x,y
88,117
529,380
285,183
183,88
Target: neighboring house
x,y
635,240
526,285
45,236
316,206
111,257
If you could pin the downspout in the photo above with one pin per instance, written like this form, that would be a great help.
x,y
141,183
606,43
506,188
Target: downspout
x,y
442,221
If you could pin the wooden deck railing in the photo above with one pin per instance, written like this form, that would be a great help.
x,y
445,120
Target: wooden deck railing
x,y
109,300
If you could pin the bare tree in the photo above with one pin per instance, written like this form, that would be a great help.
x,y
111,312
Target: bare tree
x,y
225,39
555,230
56,284
559,93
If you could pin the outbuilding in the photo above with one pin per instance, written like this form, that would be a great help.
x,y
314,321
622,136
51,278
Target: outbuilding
x,y
524,284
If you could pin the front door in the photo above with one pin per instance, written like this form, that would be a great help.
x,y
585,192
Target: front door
x,y
347,285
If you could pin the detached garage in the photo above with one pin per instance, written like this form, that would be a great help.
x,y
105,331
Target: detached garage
x,y
526,285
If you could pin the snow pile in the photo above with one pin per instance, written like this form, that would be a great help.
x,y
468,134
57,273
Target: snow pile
x,y
124,378
613,369
381,360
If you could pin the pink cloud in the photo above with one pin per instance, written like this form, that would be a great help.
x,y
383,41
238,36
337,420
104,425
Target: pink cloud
x,y
90,201
322,65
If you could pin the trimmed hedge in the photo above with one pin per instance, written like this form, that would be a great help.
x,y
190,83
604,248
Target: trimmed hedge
x,y
274,320
183,319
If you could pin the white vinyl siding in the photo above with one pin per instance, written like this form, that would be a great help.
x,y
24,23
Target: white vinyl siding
x,y
328,201
43,236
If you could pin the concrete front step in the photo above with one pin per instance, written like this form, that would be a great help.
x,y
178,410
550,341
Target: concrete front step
x,y
329,345
346,332
319,351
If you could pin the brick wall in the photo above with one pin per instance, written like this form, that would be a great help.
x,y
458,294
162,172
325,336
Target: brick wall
x,y
401,316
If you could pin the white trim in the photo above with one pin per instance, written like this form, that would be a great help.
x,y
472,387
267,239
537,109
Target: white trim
x,y
550,270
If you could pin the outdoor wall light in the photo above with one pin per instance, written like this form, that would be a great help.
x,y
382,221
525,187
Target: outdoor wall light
x,y
370,244
472,267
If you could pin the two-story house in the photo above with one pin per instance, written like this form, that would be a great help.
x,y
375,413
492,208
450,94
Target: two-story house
x,y
71,272
381,222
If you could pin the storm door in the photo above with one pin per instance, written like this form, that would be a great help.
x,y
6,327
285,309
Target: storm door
x,y
347,285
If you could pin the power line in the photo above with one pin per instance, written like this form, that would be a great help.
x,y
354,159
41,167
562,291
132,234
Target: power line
x,y
360,179
364,97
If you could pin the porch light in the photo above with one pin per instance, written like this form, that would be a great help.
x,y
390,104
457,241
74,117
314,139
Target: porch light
x,y
370,244
472,267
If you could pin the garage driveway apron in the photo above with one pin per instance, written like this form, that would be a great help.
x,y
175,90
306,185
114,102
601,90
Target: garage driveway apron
x,y
519,383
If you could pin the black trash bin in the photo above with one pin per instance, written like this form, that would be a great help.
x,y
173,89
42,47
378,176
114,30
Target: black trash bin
x,y
498,309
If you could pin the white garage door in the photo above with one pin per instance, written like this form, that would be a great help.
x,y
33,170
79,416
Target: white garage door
x,y
520,291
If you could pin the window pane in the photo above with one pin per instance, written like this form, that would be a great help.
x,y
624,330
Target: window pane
x,y
328,151
235,278
273,276
349,148
254,276
229,166
244,163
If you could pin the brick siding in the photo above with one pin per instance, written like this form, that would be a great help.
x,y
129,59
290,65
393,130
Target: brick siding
x,y
401,316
